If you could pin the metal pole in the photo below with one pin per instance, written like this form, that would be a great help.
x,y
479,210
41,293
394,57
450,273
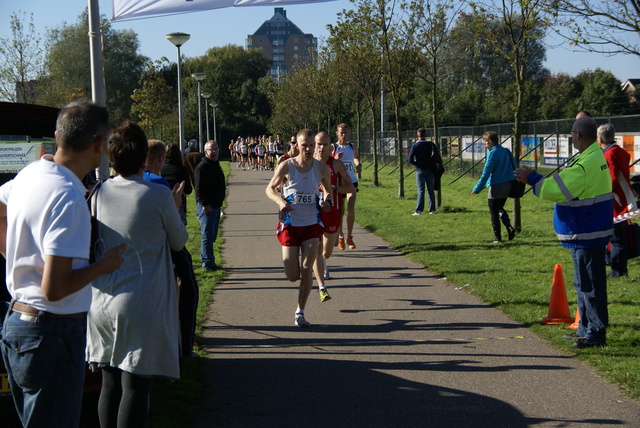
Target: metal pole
x,y
215,132
382,97
98,88
180,121
200,121
206,115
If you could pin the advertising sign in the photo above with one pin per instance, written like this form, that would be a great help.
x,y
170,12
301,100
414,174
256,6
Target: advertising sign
x,y
473,148
15,156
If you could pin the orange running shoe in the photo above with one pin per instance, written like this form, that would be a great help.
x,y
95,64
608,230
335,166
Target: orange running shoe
x,y
350,243
341,243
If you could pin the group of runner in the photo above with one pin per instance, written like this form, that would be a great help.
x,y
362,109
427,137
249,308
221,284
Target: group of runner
x,y
310,184
257,153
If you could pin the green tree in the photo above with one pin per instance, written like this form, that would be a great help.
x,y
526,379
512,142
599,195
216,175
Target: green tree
x,y
602,94
559,97
68,66
234,76
392,23
464,105
433,24
358,65
472,43
521,22
153,101
20,60
309,97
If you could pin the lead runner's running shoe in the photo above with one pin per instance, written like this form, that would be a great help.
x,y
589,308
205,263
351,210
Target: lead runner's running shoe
x,y
301,322
324,295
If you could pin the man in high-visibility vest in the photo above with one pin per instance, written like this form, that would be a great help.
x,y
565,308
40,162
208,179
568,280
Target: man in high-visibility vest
x,y
583,222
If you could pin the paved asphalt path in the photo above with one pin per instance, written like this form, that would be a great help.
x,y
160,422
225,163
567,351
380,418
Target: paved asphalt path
x,y
395,347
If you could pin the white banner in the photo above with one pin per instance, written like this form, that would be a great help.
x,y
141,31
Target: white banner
x,y
128,9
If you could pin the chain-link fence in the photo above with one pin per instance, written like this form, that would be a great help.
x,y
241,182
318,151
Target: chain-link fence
x,y
545,144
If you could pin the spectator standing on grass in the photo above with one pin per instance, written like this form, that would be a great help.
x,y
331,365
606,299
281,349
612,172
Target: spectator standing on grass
x,y
133,322
584,224
191,161
497,175
174,171
421,155
155,161
623,200
210,193
45,235
294,188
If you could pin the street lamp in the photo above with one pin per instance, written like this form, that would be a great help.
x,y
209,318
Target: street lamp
x,y
199,78
206,96
215,134
179,39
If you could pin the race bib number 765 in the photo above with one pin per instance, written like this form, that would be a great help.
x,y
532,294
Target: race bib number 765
x,y
304,198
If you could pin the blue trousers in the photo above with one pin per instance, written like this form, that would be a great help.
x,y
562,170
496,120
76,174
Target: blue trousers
x,y
209,222
44,358
590,282
425,178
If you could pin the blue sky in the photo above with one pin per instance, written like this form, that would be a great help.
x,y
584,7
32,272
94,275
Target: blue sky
x,y
232,25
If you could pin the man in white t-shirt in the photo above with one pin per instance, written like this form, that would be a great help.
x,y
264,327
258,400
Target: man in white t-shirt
x,y
347,153
45,235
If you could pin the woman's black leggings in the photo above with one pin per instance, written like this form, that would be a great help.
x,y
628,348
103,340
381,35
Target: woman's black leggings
x,y
496,209
124,399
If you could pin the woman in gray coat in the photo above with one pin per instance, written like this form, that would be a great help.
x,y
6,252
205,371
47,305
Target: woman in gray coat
x,y
133,329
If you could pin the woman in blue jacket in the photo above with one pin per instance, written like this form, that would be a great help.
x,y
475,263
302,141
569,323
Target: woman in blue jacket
x,y
497,175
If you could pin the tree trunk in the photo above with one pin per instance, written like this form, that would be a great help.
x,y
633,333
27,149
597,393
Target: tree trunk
x,y
399,148
436,139
517,137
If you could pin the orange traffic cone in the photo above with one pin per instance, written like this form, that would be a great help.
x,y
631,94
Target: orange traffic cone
x,y
558,306
576,323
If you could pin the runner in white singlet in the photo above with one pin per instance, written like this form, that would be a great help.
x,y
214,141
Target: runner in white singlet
x,y
300,227
347,153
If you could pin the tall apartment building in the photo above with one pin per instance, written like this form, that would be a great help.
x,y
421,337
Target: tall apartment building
x,y
282,42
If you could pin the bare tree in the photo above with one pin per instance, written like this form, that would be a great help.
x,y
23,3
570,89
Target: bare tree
x,y
433,32
357,63
519,23
608,27
394,22
20,60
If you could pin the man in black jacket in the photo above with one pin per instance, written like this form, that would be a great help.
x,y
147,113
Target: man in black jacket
x,y
210,192
421,155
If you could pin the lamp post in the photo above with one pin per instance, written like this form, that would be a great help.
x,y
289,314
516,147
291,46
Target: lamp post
x,y
199,78
215,134
206,96
179,39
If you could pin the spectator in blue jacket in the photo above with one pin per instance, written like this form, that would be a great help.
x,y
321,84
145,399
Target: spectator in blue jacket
x,y
497,175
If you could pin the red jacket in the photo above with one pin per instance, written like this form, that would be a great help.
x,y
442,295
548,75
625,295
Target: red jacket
x,y
618,160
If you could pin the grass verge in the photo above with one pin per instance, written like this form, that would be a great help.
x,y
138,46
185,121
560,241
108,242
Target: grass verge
x,y
514,276
172,401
